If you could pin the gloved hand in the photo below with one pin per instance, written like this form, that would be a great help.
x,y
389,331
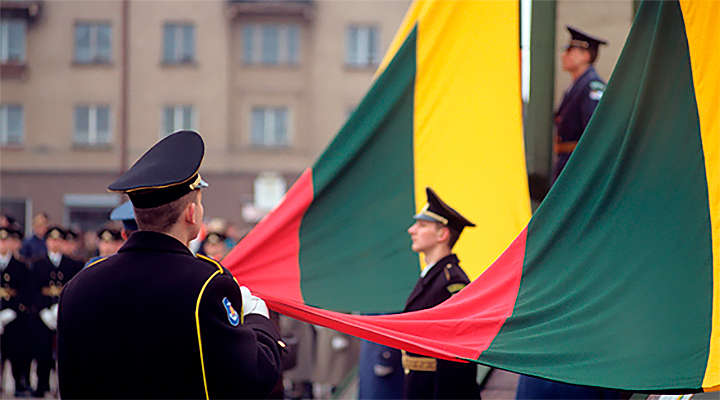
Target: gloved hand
x,y
49,316
6,316
253,304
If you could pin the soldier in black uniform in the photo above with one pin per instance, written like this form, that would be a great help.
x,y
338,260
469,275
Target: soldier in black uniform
x,y
434,233
14,310
580,100
154,320
50,273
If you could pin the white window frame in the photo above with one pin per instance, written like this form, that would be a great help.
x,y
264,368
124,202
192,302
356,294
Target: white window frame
x,y
180,53
178,124
362,49
95,53
253,43
4,125
94,136
8,55
269,134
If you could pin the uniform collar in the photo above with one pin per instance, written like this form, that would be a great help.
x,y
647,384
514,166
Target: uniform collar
x,y
5,260
154,241
430,271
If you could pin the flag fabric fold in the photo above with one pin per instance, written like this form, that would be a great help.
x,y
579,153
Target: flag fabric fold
x,y
615,282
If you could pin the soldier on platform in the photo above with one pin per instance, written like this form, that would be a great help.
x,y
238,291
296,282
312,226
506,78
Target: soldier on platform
x,y
436,229
154,320
14,310
581,98
50,273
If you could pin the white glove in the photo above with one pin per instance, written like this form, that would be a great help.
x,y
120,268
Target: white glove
x,y
6,316
49,316
253,304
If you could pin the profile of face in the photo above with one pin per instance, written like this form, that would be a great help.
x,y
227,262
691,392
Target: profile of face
x,y
425,235
575,58
198,213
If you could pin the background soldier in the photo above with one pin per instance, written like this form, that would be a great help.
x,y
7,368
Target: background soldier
x,y
14,310
580,100
436,229
154,320
50,273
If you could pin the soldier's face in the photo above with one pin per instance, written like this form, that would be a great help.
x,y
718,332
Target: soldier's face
x,y
55,245
425,235
574,58
6,246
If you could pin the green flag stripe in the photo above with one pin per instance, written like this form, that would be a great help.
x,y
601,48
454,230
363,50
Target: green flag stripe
x,y
353,210
624,234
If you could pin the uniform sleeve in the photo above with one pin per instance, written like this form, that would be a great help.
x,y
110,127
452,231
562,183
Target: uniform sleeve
x,y
241,358
588,105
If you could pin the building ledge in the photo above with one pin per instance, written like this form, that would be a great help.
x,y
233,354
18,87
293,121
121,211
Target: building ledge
x,y
13,70
25,9
299,8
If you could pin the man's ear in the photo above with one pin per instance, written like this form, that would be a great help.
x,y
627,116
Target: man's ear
x,y
444,234
190,213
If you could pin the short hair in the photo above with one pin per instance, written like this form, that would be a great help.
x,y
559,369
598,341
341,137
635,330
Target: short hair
x,y
163,218
593,54
454,234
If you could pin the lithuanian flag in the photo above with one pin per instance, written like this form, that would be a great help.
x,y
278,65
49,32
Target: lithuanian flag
x,y
615,282
444,111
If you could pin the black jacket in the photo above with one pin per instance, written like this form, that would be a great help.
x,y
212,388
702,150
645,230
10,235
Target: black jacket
x,y
578,105
15,295
452,380
155,321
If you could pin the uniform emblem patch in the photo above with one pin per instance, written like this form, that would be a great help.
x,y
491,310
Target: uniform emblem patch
x,y
233,316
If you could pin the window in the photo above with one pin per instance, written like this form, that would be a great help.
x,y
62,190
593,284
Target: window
x,y
92,125
11,125
177,118
12,40
179,43
271,44
269,127
92,43
269,187
362,46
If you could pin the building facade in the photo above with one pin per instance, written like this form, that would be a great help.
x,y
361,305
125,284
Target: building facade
x,y
87,87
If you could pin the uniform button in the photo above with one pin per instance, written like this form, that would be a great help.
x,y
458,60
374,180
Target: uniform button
x,y
60,275
22,307
6,276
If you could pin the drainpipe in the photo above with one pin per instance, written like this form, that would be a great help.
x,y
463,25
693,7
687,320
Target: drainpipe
x,y
124,89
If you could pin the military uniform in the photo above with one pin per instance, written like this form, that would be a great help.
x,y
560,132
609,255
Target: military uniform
x,y
47,283
449,380
161,328
425,377
14,295
156,321
579,101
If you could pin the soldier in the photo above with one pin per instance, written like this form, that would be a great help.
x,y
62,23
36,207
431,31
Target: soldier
x,y
50,273
215,245
436,229
109,241
125,214
154,320
580,100
14,310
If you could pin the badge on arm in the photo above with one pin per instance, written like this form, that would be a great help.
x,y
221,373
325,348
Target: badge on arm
x,y
233,316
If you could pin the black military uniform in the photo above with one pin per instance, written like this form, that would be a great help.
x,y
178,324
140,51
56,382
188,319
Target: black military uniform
x,y
430,378
578,103
14,295
154,320
48,280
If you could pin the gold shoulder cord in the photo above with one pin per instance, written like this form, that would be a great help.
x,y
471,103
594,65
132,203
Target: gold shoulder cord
x,y
197,324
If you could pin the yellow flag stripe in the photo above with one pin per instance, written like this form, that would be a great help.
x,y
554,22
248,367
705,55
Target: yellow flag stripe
x,y
468,142
703,33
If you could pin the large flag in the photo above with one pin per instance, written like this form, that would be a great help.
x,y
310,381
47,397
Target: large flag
x,y
615,282
444,111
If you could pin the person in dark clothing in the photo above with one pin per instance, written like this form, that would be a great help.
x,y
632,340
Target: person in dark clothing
x,y
436,229
14,310
581,98
154,320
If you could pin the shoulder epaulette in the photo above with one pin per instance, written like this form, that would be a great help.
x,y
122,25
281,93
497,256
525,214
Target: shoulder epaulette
x,y
211,261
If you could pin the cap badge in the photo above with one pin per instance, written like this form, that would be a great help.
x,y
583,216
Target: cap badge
x,y
233,316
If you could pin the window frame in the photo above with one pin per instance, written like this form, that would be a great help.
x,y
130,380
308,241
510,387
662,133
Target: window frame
x,y
367,56
93,133
287,44
182,53
96,56
4,124
178,117
269,127
5,41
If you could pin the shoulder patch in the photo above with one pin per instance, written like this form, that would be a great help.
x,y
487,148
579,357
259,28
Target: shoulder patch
x,y
233,316
597,85
455,287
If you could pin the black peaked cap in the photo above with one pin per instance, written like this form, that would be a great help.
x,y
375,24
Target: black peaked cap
x,y
581,39
437,210
166,172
